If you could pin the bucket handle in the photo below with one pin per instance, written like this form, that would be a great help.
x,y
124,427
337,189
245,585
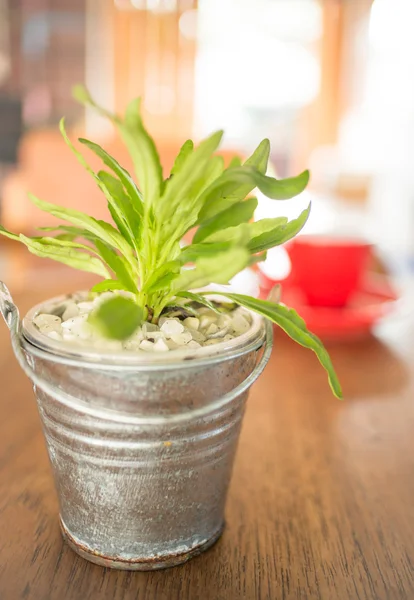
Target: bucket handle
x,y
10,314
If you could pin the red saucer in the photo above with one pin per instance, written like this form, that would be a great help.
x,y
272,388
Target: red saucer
x,y
374,299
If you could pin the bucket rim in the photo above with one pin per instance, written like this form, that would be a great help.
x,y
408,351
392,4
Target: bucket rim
x,y
39,345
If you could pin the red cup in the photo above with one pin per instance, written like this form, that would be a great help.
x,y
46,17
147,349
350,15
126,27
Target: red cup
x,y
327,270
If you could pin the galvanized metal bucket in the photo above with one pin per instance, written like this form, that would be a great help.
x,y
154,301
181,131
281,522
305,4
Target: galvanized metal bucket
x,y
141,453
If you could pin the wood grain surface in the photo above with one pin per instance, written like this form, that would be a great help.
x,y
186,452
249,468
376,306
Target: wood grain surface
x,y
321,504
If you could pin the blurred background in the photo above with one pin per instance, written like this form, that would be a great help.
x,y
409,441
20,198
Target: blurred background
x,y
326,80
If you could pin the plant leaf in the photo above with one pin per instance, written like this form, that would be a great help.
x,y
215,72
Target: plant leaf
x,y
198,298
158,277
280,234
129,225
217,269
178,187
103,231
143,152
185,150
9,234
117,318
125,178
119,266
247,231
193,252
108,285
67,253
295,327
221,193
236,214
232,191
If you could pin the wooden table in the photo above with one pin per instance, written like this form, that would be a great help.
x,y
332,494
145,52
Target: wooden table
x,y
321,504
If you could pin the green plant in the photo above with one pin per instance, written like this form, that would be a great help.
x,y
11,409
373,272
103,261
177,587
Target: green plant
x,y
141,253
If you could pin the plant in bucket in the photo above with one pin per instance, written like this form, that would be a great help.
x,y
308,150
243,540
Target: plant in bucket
x,y
141,382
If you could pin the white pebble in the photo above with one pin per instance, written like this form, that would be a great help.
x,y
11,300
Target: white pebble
x,y
172,326
71,311
193,345
224,320
192,323
206,319
131,345
85,307
171,345
46,329
54,335
240,324
212,328
44,320
147,346
149,328
182,338
75,323
197,336
161,346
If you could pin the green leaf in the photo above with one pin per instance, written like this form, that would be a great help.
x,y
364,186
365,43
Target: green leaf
x,y
117,318
280,234
220,195
236,214
295,327
67,253
143,152
119,266
235,162
198,298
9,234
130,221
248,231
232,191
161,275
185,151
177,190
82,95
193,252
217,269
108,285
103,231
124,177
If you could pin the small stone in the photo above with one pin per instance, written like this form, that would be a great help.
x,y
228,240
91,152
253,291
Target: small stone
x,y
54,335
85,307
224,321
161,346
75,323
171,327
147,346
228,337
193,345
171,345
182,338
131,345
44,320
149,328
240,324
71,311
198,336
192,323
211,329
207,319
155,335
